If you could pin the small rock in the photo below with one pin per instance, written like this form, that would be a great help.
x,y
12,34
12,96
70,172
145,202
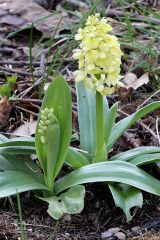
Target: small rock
x,y
136,229
106,235
114,230
92,217
67,234
67,218
120,236
97,205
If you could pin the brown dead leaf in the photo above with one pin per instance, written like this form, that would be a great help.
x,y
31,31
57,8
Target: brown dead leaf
x,y
131,81
144,79
21,13
5,109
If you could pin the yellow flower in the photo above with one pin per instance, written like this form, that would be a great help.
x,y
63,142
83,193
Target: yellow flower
x,y
99,56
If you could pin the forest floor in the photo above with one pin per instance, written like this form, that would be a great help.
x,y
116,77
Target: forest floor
x,y
36,44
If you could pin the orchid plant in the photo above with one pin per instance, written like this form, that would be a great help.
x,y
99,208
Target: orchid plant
x,y
99,59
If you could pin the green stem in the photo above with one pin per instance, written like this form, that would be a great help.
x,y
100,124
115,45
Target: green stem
x,y
99,121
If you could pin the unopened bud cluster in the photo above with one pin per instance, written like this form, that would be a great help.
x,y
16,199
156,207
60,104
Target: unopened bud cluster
x,y
46,118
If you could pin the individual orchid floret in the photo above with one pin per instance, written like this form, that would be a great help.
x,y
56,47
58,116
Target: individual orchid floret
x,y
99,56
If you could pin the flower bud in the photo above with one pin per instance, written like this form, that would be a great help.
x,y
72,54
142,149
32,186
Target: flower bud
x,y
46,118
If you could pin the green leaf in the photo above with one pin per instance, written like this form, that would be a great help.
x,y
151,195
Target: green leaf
x,y
48,150
126,198
3,138
128,155
109,121
12,182
52,147
86,103
10,161
125,123
70,202
27,146
17,150
5,164
116,171
75,159
146,159
11,79
101,155
58,97
18,141
22,164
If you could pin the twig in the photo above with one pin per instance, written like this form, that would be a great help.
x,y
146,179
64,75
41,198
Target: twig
x,y
25,110
38,225
149,98
7,50
157,130
26,100
23,73
42,64
19,63
77,3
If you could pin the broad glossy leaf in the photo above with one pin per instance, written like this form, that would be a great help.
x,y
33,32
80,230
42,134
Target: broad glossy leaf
x,y
125,123
146,159
128,155
12,182
18,141
58,97
3,138
18,145
21,163
116,171
12,159
126,198
17,150
70,202
5,164
52,147
109,121
101,156
75,159
87,117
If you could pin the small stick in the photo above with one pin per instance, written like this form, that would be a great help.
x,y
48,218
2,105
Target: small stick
x,y
6,50
157,130
23,73
42,64
149,98
25,110
19,63
26,100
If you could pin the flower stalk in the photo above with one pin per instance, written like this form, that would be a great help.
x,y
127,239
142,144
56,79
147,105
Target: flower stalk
x,y
99,121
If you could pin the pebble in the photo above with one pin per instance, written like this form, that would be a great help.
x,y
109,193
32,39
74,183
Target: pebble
x,y
136,229
67,218
106,234
120,236
114,230
97,204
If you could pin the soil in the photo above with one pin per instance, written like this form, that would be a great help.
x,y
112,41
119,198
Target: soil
x,y
98,216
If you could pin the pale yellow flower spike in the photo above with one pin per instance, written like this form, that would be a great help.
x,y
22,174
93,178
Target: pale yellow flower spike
x,y
99,56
